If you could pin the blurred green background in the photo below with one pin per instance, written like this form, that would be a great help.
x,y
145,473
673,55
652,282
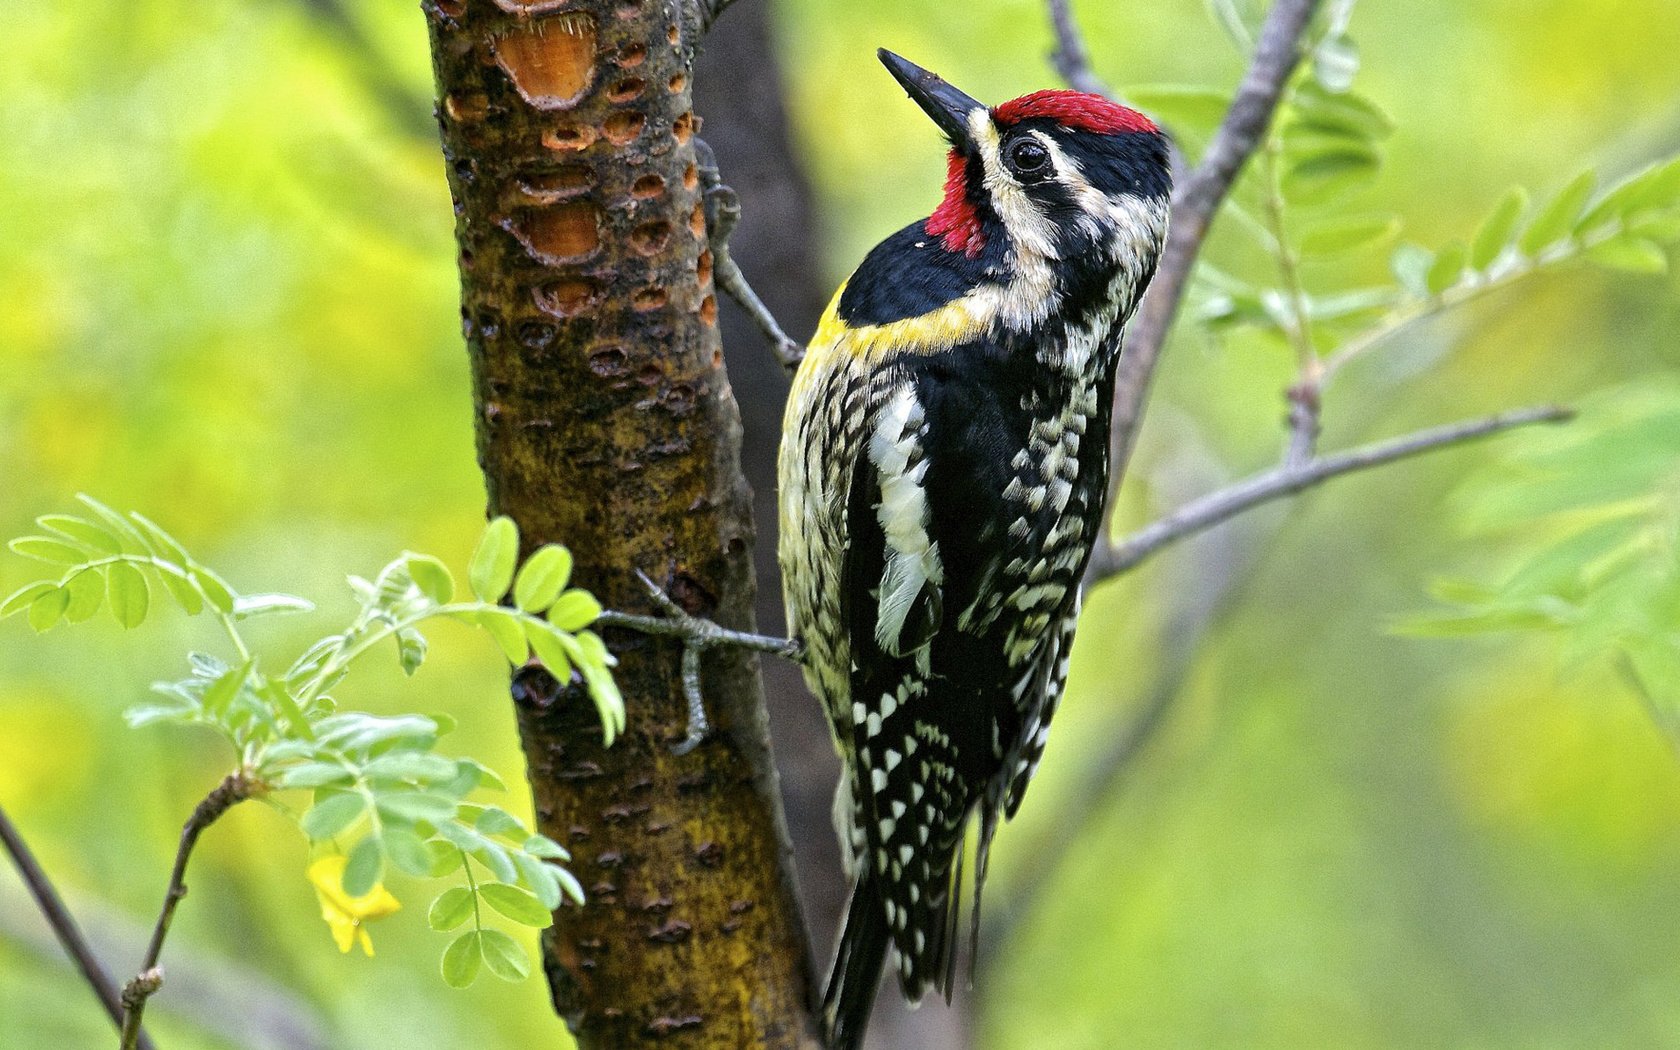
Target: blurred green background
x,y
228,299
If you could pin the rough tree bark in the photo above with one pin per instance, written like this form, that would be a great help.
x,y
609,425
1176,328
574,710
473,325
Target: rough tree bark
x,y
605,421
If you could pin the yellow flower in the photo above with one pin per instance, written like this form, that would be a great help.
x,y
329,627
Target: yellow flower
x,y
346,914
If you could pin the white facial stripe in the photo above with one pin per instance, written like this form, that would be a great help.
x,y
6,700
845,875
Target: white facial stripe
x,y
1028,297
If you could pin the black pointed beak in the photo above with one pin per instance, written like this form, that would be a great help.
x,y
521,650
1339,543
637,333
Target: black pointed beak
x,y
948,107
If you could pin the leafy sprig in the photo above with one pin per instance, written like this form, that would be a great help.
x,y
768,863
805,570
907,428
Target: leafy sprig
x,y
1592,519
376,789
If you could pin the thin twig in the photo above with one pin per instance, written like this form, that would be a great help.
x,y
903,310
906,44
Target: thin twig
x,y
723,211
709,10
1072,61
1070,56
64,926
1194,204
234,788
1287,480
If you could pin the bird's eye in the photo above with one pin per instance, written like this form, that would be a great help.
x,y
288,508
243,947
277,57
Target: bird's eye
x,y
1028,157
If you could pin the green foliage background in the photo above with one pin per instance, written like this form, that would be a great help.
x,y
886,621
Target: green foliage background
x,y
227,297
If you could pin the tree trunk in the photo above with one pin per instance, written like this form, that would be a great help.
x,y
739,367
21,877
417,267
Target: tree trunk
x,y
605,421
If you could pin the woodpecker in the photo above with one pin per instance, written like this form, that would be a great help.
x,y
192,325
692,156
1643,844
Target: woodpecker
x,y
943,466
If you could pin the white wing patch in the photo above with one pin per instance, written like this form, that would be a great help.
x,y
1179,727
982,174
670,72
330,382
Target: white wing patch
x,y
912,556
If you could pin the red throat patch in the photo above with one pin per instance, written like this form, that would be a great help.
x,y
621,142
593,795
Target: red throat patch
x,y
955,222
1075,110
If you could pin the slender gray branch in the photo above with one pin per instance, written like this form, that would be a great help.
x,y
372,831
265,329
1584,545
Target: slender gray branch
x,y
1072,62
723,212
1197,199
64,926
1287,480
233,789
1070,56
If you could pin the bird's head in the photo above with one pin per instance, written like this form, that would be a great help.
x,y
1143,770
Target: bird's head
x,y
1056,175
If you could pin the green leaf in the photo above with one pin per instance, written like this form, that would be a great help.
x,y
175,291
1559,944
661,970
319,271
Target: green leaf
x,y
170,709
313,775
503,956
49,550
1228,18
248,605
497,860
431,576
83,532
1336,63
1655,226
507,630
120,527
159,540
444,857
574,611
1342,235
517,904
410,765
494,820
180,587
1631,254
47,608
1345,113
416,806
407,852
1497,229
569,883
21,598
365,867
461,960
332,815
1624,199
491,570
550,646
541,578
1447,268
1325,174
540,877
215,589
220,693
1557,219
452,907
126,588
1184,108
472,773
411,649
87,595
543,846
1658,188
1411,264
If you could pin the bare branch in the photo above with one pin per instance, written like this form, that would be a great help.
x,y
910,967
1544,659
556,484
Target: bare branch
x,y
233,789
1287,480
1072,61
64,926
1198,198
709,10
1070,56
723,211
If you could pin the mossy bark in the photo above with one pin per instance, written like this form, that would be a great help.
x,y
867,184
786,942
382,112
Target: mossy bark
x,y
605,421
